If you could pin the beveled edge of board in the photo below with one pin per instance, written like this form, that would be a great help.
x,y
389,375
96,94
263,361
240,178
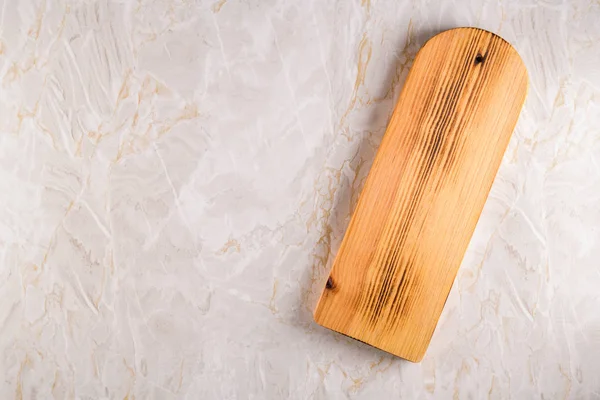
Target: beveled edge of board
x,y
326,284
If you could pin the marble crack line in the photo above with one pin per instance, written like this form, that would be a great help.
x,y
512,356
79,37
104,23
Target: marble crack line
x,y
86,298
289,85
81,80
2,17
535,231
222,47
518,300
51,243
323,62
102,227
175,195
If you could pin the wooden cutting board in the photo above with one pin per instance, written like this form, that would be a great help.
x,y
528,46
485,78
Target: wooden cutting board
x,y
425,191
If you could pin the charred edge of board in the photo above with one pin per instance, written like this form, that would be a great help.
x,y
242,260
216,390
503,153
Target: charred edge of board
x,y
358,340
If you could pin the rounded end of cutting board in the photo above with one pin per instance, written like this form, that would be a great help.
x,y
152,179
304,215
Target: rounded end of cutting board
x,y
467,32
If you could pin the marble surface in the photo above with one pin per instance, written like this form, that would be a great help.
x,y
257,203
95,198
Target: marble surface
x,y
176,178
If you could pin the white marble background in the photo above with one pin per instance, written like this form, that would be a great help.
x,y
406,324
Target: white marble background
x,y
176,177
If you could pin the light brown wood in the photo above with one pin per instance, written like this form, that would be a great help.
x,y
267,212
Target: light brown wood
x,y
425,192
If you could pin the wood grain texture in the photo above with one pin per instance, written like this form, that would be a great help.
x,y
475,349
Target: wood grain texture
x,y
425,192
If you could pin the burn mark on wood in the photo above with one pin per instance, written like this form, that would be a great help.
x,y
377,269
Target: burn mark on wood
x,y
330,284
479,59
